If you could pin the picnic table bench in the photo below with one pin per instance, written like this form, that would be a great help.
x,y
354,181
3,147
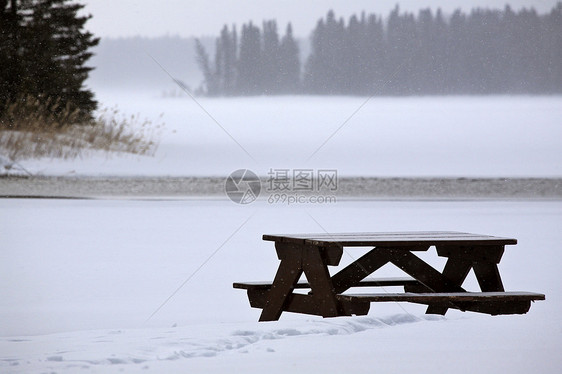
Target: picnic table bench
x,y
311,254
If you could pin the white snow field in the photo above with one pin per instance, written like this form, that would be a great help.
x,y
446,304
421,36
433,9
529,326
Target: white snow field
x,y
79,280
490,136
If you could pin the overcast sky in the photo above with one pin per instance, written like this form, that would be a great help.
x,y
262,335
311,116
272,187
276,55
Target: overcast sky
x,y
206,17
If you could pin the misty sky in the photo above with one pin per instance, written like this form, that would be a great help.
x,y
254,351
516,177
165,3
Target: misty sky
x,y
206,17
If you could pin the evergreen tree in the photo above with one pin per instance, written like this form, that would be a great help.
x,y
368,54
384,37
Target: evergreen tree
x,y
10,67
403,47
354,63
456,73
270,64
552,44
439,54
289,63
52,50
226,60
424,68
209,76
250,61
315,66
220,79
375,56
325,70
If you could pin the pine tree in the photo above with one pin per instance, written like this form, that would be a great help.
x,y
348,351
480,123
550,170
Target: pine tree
x,y
313,77
456,71
439,54
226,61
270,62
402,49
250,61
209,76
325,68
289,62
231,63
552,49
220,80
354,63
10,66
52,50
375,56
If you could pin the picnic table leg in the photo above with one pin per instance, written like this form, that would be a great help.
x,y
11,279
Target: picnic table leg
x,y
456,270
486,269
488,277
288,274
322,290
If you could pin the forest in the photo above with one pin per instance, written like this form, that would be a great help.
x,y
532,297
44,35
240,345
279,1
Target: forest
x,y
487,51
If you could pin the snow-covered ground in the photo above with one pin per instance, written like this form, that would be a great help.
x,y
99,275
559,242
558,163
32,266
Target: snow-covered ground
x,y
489,136
79,280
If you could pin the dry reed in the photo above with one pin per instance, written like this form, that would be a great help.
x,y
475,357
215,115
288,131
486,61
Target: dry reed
x,y
31,128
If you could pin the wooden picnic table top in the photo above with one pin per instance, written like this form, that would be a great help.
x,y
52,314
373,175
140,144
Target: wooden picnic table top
x,y
391,238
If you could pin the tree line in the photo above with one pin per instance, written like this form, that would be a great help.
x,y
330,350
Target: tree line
x,y
486,51
260,63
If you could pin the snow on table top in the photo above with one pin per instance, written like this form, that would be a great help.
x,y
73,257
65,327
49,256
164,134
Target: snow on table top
x,y
390,238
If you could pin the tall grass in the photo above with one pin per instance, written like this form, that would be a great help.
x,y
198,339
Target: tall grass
x,y
31,128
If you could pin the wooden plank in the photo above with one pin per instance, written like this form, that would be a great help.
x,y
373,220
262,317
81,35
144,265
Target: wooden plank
x,y
390,238
296,303
424,273
352,274
494,303
444,297
496,307
308,304
288,250
331,253
288,274
380,282
314,264
488,276
483,253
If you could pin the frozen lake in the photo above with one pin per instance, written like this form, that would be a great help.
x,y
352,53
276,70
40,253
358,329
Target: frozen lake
x,y
80,279
490,136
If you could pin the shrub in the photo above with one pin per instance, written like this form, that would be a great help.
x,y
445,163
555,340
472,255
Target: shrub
x,y
29,128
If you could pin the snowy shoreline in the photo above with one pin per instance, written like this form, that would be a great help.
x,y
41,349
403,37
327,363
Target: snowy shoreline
x,y
213,187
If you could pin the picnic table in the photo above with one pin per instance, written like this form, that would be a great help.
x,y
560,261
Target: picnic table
x,y
328,295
